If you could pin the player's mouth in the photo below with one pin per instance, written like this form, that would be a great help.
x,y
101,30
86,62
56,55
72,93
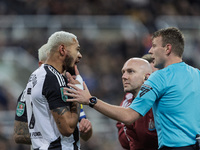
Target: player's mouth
x,y
77,61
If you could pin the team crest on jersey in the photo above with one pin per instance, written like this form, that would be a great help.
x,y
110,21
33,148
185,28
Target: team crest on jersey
x,y
20,109
151,125
144,89
64,97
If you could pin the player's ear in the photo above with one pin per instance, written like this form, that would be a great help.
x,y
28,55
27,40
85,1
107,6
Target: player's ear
x,y
62,50
40,63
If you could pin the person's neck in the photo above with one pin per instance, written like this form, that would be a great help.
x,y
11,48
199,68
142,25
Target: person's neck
x,y
56,64
135,93
173,60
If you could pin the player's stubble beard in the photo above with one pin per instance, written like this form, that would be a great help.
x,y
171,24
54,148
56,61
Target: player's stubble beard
x,y
67,65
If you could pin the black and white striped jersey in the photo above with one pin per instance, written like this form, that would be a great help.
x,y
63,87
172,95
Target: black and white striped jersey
x,y
43,93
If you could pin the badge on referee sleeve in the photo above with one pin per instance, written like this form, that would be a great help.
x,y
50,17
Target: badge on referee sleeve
x,y
64,97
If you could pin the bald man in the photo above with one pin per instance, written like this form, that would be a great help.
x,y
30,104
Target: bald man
x,y
142,133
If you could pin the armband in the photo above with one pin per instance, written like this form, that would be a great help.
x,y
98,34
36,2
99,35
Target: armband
x,y
82,113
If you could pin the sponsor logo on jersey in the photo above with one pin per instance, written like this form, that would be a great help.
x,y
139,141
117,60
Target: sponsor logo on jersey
x,y
20,109
64,97
36,135
29,91
144,89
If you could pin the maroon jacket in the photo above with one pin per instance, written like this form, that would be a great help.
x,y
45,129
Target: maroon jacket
x,y
140,135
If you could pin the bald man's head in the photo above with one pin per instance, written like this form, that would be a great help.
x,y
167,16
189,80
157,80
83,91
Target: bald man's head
x,y
142,64
134,72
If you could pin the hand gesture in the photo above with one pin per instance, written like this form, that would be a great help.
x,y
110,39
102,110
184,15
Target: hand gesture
x,y
77,94
75,79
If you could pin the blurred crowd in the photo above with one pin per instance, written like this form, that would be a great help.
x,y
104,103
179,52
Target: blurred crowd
x,y
144,10
102,59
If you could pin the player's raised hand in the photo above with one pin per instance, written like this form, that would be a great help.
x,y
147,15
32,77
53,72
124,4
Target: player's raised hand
x,y
71,79
74,79
76,70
